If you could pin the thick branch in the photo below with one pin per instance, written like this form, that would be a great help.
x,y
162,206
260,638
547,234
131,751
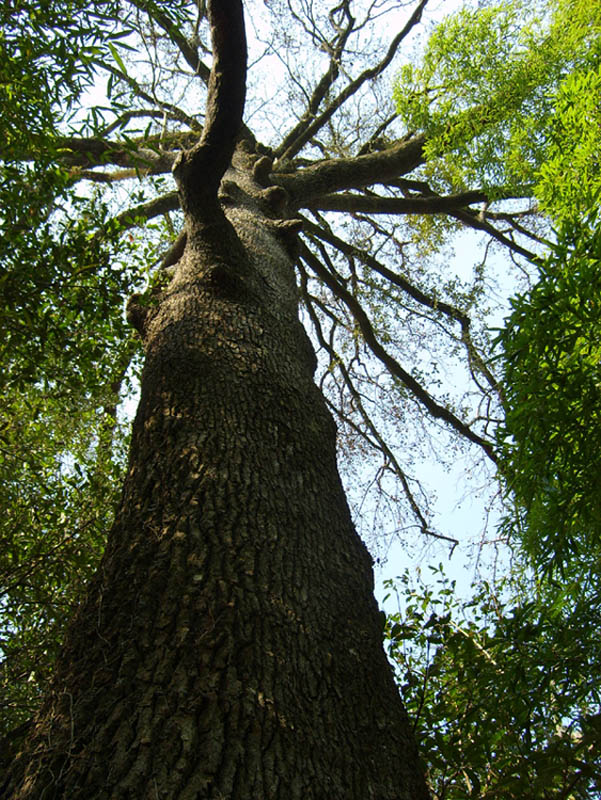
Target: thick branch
x,y
395,369
353,87
199,170
453,205
305,185
371,204
76,151
77,174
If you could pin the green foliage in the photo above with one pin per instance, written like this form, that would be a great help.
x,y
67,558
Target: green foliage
x,y
569,181
60,461
65,348
549,346
505,688
551,437
46,52
484,90
502,688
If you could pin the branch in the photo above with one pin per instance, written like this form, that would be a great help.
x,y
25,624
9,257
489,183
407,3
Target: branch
x,y
320,91
378,441
102,177
123,119
436,410
472,220
352,88
306,185
145,211
186,48
199,170
369,260
452,205
475,359
74,151
373,141
176,112
372,204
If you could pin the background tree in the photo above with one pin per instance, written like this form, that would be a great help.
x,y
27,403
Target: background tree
x,y
378,194
530,641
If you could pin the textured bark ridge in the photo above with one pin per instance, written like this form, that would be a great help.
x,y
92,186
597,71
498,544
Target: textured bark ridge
x,y
230,645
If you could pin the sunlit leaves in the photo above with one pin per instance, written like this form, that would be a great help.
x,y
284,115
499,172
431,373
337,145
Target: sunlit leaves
x,y
484,91
569,181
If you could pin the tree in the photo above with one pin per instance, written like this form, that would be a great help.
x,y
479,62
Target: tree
x,y
504,687
228,644
211,656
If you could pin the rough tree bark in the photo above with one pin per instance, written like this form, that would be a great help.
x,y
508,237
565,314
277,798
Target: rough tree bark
x,y
230,645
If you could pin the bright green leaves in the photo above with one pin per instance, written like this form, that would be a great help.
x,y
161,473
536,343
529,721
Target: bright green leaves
x,y
551,438
484,91
570,179
551,342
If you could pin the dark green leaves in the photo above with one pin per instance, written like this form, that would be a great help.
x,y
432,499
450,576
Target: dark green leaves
x,y
551,438
502,688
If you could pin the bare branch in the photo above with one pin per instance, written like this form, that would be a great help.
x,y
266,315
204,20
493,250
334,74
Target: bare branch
x,y
472,220
378,441
188,50
176,112
371,144
77,174
322,88
452,205
324,177
434,408
353,87
475,359
369,260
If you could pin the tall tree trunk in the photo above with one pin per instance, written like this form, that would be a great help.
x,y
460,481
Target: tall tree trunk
x,y
230,646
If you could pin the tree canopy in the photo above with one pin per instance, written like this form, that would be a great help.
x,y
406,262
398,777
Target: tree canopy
x,y
389,147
